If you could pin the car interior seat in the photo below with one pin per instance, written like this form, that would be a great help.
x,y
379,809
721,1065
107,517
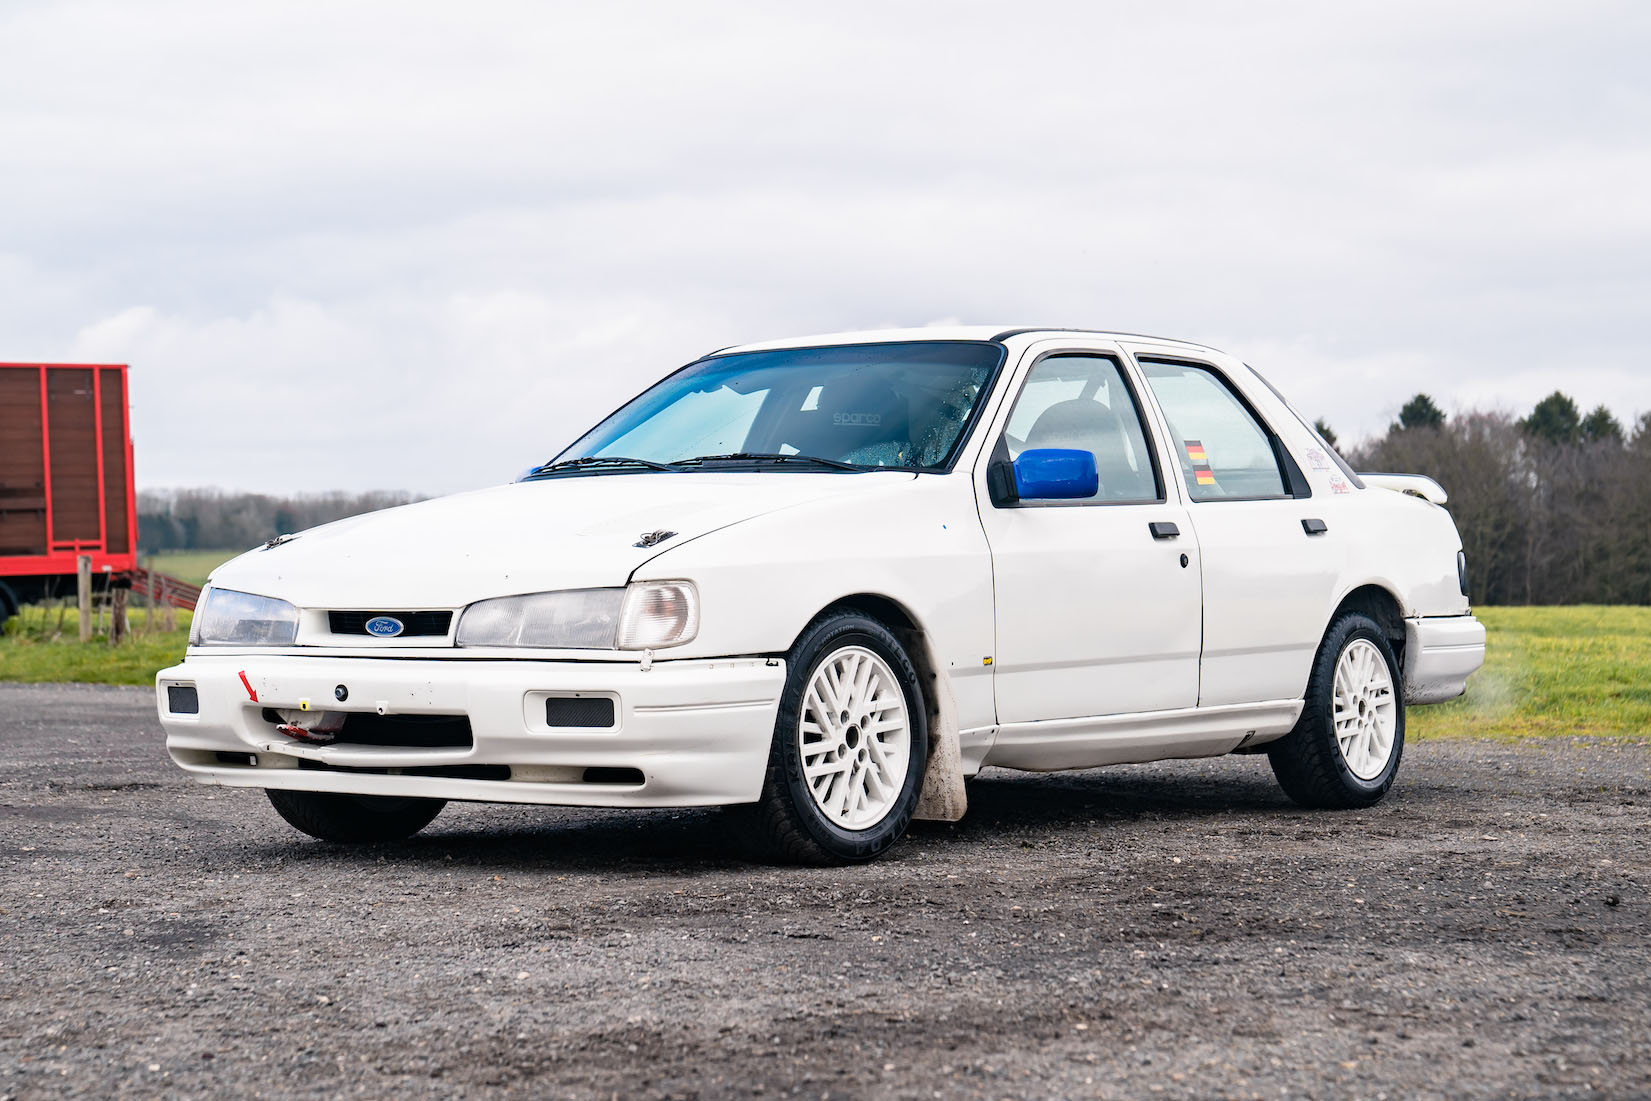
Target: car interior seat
x,y
1086,425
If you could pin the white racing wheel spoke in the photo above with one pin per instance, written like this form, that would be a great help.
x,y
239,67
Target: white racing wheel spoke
x,y
855,737
1364,711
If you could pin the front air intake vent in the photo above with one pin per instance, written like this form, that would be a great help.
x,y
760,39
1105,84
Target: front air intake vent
x,y
579,711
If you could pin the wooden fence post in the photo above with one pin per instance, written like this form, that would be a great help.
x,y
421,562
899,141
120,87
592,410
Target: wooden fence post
x,y
83,588
117,616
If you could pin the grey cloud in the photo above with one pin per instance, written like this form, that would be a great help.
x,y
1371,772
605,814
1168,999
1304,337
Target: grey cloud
x,y
483,228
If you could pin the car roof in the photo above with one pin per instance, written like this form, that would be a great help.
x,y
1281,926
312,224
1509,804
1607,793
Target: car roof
x,y
990,333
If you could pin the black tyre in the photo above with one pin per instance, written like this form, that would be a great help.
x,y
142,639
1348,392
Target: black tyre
x,y
354,819
1345,749
850,746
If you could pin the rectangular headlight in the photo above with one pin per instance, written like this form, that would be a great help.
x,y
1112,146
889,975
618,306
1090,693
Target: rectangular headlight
x,y
229,618
573,619
651,615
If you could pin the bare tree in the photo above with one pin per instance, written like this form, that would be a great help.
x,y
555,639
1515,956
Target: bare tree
x,y
184,519
1550,511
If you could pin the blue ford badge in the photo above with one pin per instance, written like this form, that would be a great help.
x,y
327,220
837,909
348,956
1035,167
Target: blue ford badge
x,y
385,626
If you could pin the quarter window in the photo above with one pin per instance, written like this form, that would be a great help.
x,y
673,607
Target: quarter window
x,y
1224,452
1081,402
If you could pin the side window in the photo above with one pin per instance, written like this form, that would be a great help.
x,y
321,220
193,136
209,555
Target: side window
x,y
1223,450
1082,402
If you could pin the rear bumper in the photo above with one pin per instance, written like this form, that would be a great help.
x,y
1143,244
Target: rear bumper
x,y
1441,652
697,733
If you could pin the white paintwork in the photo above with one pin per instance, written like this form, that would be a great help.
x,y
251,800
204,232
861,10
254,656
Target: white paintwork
x,y
1131,739
1440,654
698,730
1058,636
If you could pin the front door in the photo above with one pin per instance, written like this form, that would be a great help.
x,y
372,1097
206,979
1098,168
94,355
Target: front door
x,y
1097,613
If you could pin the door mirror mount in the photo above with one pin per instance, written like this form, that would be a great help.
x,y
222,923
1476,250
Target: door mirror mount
x,y
1000,483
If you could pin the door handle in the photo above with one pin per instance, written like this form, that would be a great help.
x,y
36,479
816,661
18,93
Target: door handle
x,y
1314,527
1163,529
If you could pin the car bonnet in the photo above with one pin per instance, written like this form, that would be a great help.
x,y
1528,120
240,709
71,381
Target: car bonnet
x,y
557,533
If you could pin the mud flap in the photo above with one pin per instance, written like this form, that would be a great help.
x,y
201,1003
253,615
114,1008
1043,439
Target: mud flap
x,y
943,798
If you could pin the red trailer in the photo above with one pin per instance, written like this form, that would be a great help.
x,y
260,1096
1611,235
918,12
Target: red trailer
x,y
66,485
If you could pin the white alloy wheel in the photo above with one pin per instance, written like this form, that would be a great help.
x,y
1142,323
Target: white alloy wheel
x,y
855,738
1364,709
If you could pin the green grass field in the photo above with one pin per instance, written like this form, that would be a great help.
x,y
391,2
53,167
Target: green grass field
x,y
42,643
1548,671
190,565
1582,669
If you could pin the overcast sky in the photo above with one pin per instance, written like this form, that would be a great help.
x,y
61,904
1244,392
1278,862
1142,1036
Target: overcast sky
x,y
401,245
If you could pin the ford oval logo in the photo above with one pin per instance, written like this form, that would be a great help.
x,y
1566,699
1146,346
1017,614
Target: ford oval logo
x,y
385,626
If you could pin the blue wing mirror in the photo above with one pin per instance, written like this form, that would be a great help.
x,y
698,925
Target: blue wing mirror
x,y
1045,474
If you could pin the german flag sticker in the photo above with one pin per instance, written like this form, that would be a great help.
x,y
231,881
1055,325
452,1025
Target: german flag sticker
x,y
1201,471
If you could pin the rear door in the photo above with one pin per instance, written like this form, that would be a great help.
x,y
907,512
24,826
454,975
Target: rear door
x,y
1095,614
1271,563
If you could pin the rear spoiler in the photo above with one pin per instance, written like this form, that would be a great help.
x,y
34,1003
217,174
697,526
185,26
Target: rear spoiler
x,y
1416,485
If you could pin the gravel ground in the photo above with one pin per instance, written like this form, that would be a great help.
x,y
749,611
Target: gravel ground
x,y
1174,929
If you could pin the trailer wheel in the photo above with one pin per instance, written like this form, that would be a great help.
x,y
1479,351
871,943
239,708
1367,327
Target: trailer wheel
x,y
9,604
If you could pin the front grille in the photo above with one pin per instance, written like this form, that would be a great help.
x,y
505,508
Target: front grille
x,y
414,624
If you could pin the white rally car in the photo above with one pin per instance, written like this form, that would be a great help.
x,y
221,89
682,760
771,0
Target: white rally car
x,y
829,579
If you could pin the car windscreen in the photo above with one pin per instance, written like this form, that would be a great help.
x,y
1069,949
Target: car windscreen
x,y
874,406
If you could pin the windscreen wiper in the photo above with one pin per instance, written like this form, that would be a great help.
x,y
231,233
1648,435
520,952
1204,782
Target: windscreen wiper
x,y
757,458
597,462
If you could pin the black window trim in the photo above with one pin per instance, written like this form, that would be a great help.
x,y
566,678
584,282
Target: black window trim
x,y
1000,449
1298,488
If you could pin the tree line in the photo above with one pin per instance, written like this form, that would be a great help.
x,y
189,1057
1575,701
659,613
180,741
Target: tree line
x,y
1554,507
211,519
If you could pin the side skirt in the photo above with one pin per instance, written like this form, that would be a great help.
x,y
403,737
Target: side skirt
x,y
1056,744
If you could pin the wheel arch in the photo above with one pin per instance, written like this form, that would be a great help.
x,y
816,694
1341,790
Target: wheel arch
x,y
898,618
942,796
1380,604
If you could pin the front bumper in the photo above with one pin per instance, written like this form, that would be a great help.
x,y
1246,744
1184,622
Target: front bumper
x,y
684,733
1440,653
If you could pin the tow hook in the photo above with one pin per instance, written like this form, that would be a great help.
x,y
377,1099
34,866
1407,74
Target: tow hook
x,y
316,728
